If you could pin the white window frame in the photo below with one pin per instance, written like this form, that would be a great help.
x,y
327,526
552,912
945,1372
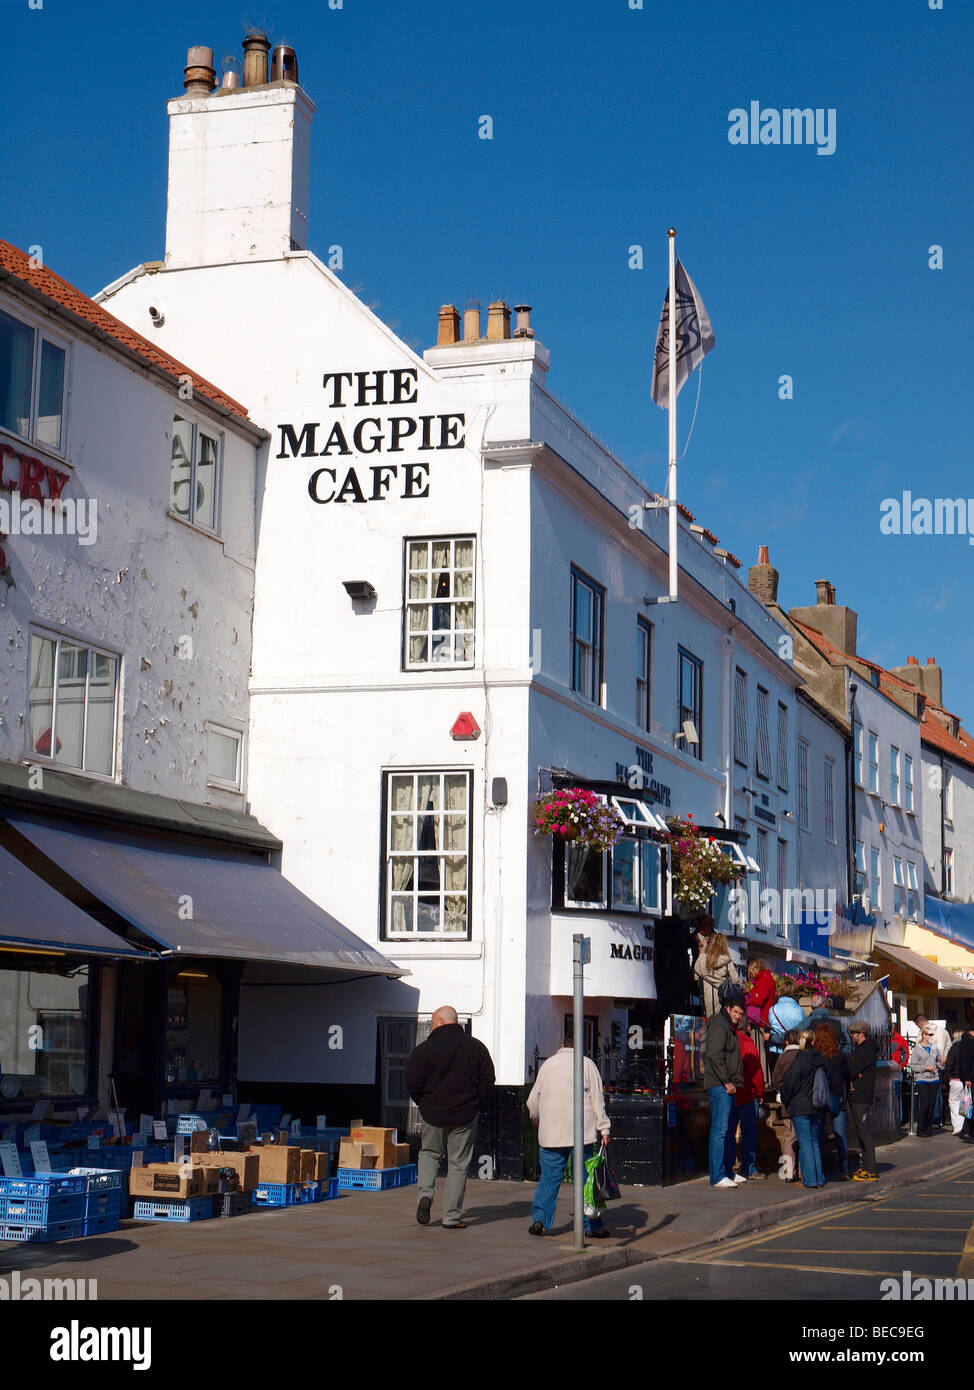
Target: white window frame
x,y
223,729
740,716
41,333
875,876
644,652
948,871
594,643
782,886
217,436
948,795
908,783
59,638
762,860
638,818
899,886
637,815
782,746
829,775
434,636
912,890
894,775
636,908
873,763
862,877
415,853
692,711
762,739
857,748
803,751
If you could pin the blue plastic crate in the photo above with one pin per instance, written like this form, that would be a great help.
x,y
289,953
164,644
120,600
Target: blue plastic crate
x,y
233,1204
309,1191
377,1179
188,1209
99,1180
42,1211
103,1204
276,1194
189,1124
42,1185
56,1230
99,1225
329,1190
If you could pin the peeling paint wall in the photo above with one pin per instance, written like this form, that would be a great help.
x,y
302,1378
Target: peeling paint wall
x,y
174,603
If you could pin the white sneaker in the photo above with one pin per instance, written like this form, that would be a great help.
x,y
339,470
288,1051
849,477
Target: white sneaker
x,y
738,1178
725,1182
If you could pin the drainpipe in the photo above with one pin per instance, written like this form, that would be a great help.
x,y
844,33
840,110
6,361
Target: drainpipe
x,y
851,797
943,831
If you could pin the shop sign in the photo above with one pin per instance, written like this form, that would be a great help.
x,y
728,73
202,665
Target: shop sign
x,y
761,809
358,437
622,957
638,776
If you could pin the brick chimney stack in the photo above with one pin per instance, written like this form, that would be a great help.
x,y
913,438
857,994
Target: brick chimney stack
x,y
838,624
762,578
929,679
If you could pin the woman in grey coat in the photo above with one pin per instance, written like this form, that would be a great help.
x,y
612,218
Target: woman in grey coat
x,y
714,968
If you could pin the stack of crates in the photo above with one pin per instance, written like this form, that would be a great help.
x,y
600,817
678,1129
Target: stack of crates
x,y
103,1198
45,1207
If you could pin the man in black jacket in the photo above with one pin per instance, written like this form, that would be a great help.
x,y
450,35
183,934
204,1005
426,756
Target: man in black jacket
x,y
723,1072
965,1073
862,1090
450,1078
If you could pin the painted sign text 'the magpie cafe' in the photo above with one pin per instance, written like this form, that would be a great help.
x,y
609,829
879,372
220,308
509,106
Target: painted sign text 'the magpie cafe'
x,y
352,436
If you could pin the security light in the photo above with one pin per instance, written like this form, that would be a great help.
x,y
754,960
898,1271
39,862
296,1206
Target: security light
x,y
358,589
688,732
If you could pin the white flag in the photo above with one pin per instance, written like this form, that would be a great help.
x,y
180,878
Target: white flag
x,y
694,337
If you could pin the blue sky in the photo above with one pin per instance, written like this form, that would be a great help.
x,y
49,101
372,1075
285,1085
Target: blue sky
x,y
610,124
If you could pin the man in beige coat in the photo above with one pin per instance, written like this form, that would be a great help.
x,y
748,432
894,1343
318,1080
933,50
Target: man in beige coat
x,y
551,1108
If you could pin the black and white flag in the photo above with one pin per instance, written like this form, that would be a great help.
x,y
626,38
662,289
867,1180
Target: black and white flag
x,y
694,337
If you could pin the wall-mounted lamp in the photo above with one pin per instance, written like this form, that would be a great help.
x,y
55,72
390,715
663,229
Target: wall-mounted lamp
x,y
358,589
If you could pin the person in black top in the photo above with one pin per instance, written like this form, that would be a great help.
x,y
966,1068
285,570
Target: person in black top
x,y
862,1090
837,1071
797,1093
955,1087
965,1074
450,1077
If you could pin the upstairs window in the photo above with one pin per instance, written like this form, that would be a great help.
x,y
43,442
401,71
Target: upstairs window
x,y
691,700
32,382
740,716
912,891
908,782
194,475
894,775
803,784
427,864
830,800
899,887
860,868
763,739
644,666
224,757
72,711
873,762
857,746
588,614
439,612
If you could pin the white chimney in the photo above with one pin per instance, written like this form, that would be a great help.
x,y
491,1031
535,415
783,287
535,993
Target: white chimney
x,y
238,174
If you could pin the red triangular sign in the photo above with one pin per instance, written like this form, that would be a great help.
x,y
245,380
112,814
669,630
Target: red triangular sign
x,y
465,727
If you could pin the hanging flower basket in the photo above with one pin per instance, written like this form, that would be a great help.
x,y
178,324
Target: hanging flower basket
x,y
699,866
572,813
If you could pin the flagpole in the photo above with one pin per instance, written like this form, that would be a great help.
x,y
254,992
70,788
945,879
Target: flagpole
x,y
672,405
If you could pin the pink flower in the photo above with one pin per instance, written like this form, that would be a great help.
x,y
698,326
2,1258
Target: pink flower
x,y
564,829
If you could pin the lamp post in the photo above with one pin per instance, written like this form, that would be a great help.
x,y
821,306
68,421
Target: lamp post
x,y
581,955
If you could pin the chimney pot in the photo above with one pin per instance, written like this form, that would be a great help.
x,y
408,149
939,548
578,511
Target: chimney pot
x,y
763,555
931,661
912,661
498,321
448,328
284,64
471,321
199,77
824,592
256,47
523,329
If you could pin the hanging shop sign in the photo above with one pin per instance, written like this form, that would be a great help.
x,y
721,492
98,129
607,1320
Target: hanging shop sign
x,y
638,776
350,435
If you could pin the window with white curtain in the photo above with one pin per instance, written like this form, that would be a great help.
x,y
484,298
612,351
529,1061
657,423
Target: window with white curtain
x,y
427,836
439,607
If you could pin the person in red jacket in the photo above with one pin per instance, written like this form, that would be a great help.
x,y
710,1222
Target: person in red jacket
x,y
761,994
747,1098
901,1050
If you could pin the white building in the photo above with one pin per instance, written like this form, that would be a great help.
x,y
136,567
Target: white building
x,y
456,609
135,884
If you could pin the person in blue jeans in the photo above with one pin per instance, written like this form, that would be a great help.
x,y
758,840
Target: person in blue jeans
x,y
723,1073
551,1108
796,1092
924,1063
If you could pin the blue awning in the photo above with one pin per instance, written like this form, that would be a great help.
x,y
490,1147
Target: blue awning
x,y
955,921
36,917
199,901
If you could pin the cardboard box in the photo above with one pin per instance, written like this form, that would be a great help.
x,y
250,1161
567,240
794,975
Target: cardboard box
x,y
173,1180
352,1155
278,1163
246,1166
322,1167
308,1165
383,1139
402,1155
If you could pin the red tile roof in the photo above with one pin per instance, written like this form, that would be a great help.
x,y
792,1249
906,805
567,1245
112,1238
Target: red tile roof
x,y
66,296
932,732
